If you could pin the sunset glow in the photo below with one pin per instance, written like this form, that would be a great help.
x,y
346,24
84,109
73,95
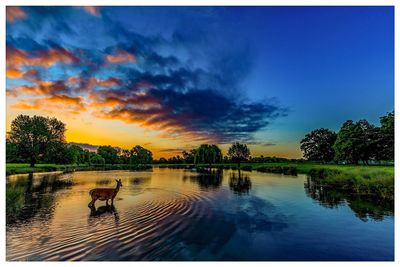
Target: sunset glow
x,y
170,79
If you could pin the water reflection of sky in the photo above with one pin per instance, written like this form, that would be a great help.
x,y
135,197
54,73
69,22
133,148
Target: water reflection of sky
x,y
170,214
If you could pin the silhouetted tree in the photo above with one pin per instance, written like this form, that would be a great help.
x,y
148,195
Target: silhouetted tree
x,y
140,155
163,160
34,136
318,145
188,156
238,153
108,153
208,154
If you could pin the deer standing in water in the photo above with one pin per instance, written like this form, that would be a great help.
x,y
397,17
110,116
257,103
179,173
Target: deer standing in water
x,y
104,193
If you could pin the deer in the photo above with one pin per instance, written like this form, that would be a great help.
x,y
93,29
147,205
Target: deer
x,y
104,194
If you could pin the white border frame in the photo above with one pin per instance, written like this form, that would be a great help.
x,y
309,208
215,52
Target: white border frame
x,y
191,3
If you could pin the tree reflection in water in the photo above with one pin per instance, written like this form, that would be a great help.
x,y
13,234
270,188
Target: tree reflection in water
x,y
240,184
28,196
207,179
140,181
363,207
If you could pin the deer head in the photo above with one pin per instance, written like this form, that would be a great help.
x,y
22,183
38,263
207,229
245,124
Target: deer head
x,y
119,183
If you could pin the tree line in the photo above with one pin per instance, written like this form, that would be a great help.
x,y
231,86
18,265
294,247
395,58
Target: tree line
x,y
40,139
356,142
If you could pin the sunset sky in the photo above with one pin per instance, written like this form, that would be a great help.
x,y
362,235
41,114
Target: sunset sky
x,y
171,78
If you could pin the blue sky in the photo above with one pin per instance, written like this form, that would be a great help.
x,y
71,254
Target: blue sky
x,y
261,75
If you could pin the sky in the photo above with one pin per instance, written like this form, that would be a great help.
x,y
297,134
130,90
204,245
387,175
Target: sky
x,y
172,78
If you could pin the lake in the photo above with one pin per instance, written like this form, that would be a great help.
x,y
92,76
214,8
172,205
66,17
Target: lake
x,y
177,214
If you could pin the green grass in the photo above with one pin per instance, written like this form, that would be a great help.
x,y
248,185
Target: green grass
x,y
372,181
375,181
303,167
20,168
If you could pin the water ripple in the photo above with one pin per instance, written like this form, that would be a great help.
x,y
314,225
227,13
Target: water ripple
x,y
145,231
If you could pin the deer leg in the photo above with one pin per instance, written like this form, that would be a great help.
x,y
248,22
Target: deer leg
x,y
91,203
112,201
107,202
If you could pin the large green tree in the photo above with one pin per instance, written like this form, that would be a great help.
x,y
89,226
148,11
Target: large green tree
x,y
11,152
318,145
208,154
75,155
36,136
238,153
140,155
386,137
96,159
108,153
356,141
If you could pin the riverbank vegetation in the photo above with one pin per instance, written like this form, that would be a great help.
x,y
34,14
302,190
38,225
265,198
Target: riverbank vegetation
x,y
37,144
354,143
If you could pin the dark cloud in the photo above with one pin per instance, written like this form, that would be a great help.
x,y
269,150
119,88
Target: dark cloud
x,y
200,96
193,113
50,16
171,150
260,143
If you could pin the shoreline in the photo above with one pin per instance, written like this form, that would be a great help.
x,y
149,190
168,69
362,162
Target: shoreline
x,y
361,180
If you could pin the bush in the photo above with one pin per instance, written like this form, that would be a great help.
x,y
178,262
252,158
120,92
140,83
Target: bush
x,y
246,168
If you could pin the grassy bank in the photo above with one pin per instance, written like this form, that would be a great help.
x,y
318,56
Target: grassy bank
x,y
374,181
21,168
369,181
303,167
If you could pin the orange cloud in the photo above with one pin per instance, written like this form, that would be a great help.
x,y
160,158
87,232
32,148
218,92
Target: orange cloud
x,y
110,98
94,10
14,73
14,13
73,80
17,57
156,119
120,56
40,88
53,104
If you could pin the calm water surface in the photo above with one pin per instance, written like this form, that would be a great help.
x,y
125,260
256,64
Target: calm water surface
x,y
172,214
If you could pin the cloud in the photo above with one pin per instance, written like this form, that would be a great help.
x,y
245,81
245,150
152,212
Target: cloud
x,y
172,150
268,144
93,10
191,86
120,56
17,57
14,13
202,114
14,73
41,88
261,143
53,104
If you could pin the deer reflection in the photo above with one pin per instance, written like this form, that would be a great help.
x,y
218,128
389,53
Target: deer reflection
x,y
103,211
239,184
